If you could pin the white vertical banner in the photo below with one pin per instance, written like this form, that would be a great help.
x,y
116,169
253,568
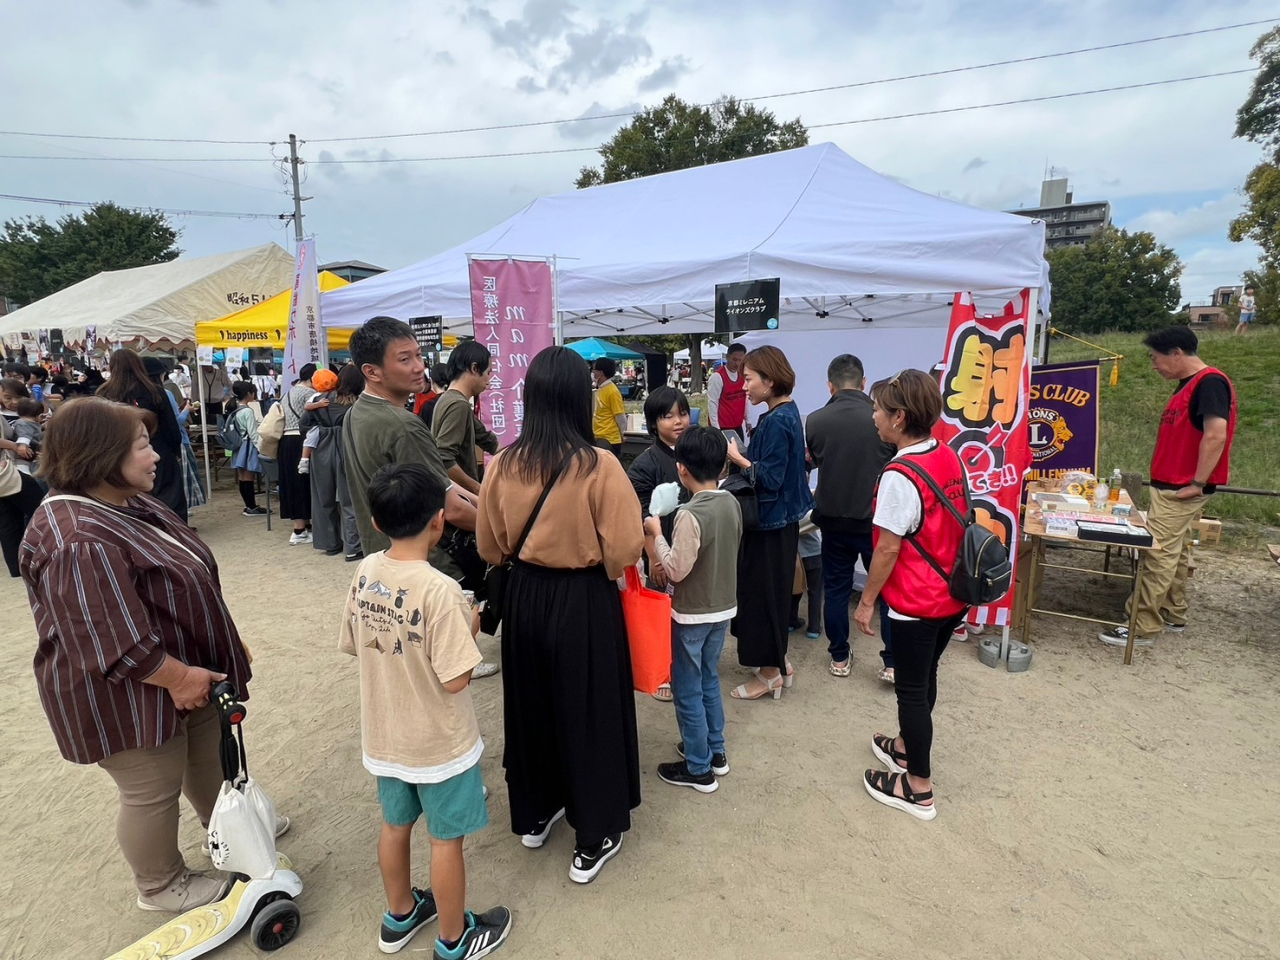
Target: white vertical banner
x,y
306,341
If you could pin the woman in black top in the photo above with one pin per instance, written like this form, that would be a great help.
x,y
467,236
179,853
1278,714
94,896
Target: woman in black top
x,y
130,383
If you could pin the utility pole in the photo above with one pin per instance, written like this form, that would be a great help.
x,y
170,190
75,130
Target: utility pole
x,y
297,192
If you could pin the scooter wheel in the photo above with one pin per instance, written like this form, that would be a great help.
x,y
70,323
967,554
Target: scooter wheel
x,y
276,924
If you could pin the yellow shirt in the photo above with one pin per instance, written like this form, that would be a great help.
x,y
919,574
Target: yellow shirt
x,y
608,407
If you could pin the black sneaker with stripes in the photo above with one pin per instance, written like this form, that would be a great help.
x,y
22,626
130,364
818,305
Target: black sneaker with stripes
x,y
484,934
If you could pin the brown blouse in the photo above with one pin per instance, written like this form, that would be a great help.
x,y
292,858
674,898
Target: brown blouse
x,y
587,520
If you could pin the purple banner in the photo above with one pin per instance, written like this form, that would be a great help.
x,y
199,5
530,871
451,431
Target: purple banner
x,y
1064,419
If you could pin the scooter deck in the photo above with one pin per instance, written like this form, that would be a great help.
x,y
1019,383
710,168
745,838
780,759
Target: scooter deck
x,y
192,929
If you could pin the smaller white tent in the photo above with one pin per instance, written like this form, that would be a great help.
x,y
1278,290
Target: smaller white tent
x,y
158,304
711,352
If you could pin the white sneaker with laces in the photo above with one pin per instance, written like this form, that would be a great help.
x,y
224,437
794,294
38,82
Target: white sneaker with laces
x,y
485,669
303,536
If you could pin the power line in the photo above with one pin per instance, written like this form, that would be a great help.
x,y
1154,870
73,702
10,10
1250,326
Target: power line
x,y
796,93
533,153
166,210
89,136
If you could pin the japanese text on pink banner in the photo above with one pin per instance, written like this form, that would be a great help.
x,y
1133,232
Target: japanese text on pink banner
x,y
513,313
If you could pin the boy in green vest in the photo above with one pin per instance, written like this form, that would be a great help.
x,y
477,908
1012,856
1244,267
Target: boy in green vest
x,y
702,563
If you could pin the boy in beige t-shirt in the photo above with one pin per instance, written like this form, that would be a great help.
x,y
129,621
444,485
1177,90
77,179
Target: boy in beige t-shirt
x,y
413,632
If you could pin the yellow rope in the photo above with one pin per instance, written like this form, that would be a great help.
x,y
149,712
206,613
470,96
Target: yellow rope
x,y
1116,357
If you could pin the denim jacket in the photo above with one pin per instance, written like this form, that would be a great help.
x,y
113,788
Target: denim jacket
x,y
777,467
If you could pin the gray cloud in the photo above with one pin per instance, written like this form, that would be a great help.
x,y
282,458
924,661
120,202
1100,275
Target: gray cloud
x,y
529,85
330,168
444,57
665,77
977,163
541,20
593,129
600,53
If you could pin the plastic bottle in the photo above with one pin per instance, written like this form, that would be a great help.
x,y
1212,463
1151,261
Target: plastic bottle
x,y
1116,482
1101,495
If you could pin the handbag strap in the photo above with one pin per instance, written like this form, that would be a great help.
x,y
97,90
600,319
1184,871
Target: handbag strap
x,y
942,498
162,534
546,492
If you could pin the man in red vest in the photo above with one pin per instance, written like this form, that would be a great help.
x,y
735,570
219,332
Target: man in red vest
x,y
1192,457
727,393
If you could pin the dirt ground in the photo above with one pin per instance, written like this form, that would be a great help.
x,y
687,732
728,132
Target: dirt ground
x,y
1086,809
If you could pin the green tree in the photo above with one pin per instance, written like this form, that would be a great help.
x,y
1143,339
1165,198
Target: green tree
x,y
676,135
38,258
1266,290
1116,281
1258,118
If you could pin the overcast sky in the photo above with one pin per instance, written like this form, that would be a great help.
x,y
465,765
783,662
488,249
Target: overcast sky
x,y
258,71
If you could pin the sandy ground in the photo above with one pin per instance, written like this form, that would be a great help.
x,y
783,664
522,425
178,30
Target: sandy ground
x,y
1085,809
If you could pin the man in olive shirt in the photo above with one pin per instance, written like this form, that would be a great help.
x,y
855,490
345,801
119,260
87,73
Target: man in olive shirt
x,y
454,425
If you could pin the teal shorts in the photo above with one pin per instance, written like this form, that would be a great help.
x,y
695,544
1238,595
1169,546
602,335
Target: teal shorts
x,y
454,807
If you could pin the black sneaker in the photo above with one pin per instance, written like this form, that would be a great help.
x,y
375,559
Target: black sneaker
x,y
333,551
253,512
678,775
485,933
588,862
396,933
353,557
719,762
536,839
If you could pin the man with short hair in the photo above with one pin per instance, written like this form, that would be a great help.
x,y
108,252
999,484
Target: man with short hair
x,y
849,454
611,415
1248,306
727,393
1192,457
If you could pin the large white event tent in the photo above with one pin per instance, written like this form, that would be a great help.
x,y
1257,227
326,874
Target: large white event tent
x,y
157,305
856,252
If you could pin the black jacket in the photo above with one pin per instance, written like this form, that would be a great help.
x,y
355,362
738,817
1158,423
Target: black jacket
x,y
849,454
656,465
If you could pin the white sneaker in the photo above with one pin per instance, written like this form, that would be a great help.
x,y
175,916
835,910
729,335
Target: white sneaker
x,y
960,634
302,537
189,891
1175,627
304,465
485,670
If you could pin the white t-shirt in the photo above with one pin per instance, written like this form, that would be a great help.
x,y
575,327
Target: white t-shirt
x,y
1246,304
899,508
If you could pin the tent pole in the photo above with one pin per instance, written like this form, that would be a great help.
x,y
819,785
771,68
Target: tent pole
x,y
204,430
555,302
1033,313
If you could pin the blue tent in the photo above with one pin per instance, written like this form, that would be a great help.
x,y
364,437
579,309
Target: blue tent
x,y
594,348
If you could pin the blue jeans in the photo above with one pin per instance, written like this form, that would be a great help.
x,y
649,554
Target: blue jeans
x,y
840,553
695,685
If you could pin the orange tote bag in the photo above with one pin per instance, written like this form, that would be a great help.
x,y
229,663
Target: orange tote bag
x,y
648,616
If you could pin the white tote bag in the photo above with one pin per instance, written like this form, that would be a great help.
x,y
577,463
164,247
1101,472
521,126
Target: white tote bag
x,y
239,840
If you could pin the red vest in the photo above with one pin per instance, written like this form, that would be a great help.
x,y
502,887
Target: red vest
x,y
1177,453
914,587
733,401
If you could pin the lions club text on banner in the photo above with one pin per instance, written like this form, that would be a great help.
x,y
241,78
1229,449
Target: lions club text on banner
x,y
513,313
985,385
1064,419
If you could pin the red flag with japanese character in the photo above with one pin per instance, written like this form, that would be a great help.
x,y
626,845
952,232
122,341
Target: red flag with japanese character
x,y
986,382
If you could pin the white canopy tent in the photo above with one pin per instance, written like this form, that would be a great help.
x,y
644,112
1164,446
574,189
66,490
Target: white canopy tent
x,y
711,352
160,304
852,247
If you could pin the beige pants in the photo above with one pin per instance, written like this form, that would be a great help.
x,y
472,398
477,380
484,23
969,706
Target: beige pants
x,y
149,781
1163,595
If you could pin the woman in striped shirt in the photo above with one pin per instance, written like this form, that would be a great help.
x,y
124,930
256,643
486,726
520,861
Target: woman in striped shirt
x,y
133,631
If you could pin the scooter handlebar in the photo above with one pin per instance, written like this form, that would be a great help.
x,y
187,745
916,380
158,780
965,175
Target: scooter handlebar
x,y
230,709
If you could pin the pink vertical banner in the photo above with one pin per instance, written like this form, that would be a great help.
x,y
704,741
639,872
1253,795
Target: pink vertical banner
x,y
513,314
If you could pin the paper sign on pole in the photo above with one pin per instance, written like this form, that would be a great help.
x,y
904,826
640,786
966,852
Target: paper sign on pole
x,y
985,387
305,342
513,314
235,357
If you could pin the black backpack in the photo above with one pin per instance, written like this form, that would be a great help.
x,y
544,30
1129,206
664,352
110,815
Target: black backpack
x,y
982,573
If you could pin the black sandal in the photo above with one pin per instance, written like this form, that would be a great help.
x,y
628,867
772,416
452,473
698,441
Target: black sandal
x,y
880,786
883,748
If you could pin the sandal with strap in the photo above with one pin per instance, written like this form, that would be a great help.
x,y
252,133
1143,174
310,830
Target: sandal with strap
x,y
841,669
883,748
788,677
772,685
664,693
880,786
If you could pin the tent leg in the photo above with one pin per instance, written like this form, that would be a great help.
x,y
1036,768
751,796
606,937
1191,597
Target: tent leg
x,y
204,431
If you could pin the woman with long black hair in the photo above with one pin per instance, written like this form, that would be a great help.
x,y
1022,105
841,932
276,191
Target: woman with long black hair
x,y
569,711
130,383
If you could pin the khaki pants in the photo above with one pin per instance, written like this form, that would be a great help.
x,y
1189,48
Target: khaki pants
x,y
1163,596
149,781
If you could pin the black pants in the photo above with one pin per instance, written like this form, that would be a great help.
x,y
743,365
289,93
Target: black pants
x,y
15,511
917,647
813,581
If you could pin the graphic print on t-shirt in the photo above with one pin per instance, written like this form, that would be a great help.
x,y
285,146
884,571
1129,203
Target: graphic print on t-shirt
x,y
384,622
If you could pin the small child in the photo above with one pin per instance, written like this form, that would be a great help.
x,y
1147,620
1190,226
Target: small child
x,y
413,632
324,381
244,423
27,429
811,560
702,562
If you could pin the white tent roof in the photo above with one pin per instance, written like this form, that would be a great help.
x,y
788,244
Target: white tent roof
x,y
710,351
644,256
161,303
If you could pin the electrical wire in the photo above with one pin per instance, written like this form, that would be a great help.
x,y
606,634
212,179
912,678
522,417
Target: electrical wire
x,y
166,210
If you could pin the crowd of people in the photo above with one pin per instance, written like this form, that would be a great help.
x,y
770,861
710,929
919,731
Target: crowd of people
x,y
133,627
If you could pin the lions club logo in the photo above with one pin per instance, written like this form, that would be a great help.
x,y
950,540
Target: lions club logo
x,y
1049,433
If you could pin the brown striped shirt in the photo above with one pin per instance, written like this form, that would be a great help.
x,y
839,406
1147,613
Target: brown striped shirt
x,y
110,600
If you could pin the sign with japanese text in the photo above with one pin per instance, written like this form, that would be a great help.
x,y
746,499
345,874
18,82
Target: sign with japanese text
x,y
429,332
1064,419
986,383
513,315
750,305
305,342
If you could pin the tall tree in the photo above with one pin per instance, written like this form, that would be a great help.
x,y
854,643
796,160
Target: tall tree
x,y
675,135
1116,281
1258,120
38,258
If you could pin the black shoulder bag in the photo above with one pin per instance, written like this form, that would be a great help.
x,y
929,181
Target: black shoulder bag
x,y
498,574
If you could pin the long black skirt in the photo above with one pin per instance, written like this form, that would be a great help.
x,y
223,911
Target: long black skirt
x,y
295,487
569,710
766,572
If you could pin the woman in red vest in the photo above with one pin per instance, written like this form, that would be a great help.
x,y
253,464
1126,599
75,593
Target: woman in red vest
x,y
911,525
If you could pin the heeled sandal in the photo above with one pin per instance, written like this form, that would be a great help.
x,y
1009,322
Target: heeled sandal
x,y
788,678
883,748
880,786
772,685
